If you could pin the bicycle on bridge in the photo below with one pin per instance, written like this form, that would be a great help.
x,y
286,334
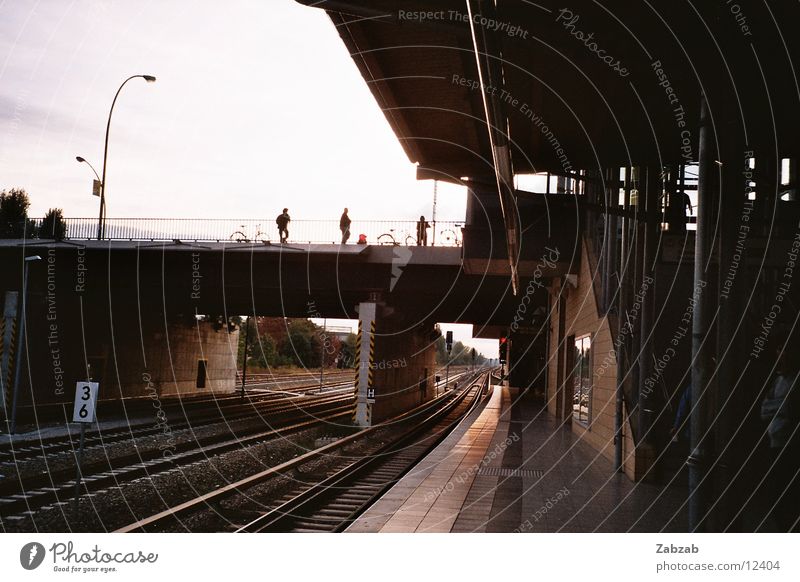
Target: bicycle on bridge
x,y
242,236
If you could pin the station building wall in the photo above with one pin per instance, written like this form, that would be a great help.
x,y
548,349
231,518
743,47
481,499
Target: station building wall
x,y
581,318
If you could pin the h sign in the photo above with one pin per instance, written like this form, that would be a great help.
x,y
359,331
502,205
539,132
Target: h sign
x,y
85,401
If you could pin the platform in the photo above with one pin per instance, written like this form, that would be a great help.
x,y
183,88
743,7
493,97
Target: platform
x,y
509,468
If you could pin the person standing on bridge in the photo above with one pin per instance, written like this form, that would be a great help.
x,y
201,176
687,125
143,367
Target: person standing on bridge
x,y
422,232
344,226
283,221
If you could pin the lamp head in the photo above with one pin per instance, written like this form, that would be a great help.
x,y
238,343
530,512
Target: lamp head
x,y
80,159
149,78
33,258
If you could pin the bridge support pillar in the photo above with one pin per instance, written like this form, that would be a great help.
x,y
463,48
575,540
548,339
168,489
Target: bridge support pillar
x,y
8,337
404,366
365,393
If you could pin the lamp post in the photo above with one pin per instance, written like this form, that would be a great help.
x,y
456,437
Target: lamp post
x,y
20,341
98,185
101,219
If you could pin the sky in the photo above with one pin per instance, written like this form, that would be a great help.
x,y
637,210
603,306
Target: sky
x,y
257,106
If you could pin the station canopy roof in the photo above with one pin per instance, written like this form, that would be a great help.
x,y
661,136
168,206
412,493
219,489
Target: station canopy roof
x,y
584,84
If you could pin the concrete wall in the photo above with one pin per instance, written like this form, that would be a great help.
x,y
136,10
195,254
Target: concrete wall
x,y
173,357
581,318
128,356
404,359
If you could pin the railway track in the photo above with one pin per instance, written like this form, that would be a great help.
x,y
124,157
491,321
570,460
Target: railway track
x,y
191,415
30,493
333,504
126,407
350,483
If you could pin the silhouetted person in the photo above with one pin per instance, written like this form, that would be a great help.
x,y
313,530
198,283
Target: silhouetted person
x,y
687,204
781,409
422,231
344,226
283,221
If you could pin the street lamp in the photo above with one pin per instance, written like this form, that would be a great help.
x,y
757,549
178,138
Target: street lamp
x,y
101,220
20,341
98,186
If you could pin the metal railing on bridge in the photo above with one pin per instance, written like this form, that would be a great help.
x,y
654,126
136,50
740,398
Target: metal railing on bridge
x,y
402,232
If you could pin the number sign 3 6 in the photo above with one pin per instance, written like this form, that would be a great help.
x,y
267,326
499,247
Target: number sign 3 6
x,y
85,401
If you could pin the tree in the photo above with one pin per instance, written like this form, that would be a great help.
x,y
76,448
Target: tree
x,y
302,344
53,226
347,354
460,355
264,352
14,221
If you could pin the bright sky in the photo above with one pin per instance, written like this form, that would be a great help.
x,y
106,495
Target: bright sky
x,y
257,106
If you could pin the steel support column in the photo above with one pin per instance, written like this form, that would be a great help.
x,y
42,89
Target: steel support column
x,y
623,332
650,244
700,455
732,281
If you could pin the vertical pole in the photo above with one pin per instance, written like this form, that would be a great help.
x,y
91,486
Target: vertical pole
x,y
698,458
730,285
622,331
322,353
681,214
636,274
79,474
433,218
244,357
652,220
20,342
447,374
561,403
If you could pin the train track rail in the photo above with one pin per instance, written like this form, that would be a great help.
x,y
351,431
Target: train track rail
x,y
195,414
32,492
349,484
333,504
125,407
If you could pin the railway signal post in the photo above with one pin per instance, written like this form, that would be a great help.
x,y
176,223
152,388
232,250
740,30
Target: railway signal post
x,y
83,412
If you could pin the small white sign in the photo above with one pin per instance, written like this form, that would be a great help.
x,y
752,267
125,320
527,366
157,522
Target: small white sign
x,y
85,401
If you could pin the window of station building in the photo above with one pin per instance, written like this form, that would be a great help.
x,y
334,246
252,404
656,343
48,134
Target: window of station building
x,y
582,379
202,373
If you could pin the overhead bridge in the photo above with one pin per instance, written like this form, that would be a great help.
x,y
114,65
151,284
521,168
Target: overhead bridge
x,y
127,309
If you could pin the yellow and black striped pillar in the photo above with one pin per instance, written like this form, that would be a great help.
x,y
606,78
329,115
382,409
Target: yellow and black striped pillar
x,y
365,355
8,350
